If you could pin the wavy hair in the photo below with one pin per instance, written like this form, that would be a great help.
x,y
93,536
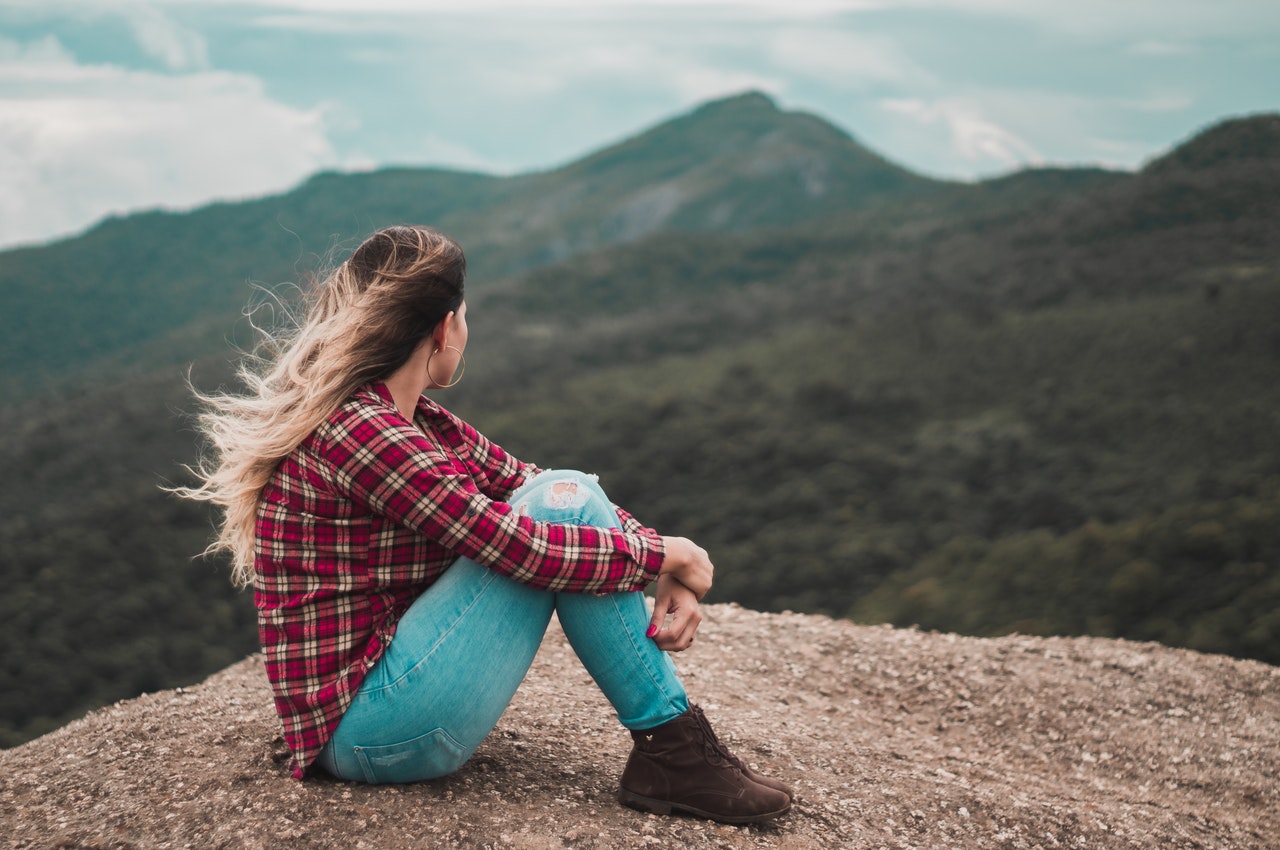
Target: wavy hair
x,y
358,324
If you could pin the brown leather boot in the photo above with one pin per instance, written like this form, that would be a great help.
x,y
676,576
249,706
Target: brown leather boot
x,y
751,774
681,766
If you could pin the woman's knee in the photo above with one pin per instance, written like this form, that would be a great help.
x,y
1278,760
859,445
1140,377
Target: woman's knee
x,y
564,490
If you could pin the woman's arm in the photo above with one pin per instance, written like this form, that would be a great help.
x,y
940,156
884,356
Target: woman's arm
x,y
689,564
496,472
387,466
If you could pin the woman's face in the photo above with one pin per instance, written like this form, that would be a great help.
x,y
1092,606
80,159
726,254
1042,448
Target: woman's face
x,y
458,331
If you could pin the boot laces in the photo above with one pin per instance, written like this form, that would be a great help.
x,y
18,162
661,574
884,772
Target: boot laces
x,y
714,750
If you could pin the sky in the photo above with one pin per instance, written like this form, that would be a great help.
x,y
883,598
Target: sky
x,y
112,107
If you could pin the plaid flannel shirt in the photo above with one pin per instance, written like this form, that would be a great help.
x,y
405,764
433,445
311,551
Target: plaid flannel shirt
x,y
368,512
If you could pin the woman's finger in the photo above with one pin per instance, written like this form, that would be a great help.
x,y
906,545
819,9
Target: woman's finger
x,y
682,605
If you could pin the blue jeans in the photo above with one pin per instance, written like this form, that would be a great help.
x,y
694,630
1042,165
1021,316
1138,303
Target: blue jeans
x,y
463,647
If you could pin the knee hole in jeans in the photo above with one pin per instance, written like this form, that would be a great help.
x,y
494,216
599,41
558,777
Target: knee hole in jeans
x,y
566,494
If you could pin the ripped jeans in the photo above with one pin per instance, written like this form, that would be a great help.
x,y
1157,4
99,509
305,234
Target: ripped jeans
x,y
463,647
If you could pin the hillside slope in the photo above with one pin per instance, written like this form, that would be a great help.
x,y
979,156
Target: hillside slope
x,y
729,165
1028,393
892,738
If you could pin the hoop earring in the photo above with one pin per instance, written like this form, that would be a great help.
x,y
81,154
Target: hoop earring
x,y
458,373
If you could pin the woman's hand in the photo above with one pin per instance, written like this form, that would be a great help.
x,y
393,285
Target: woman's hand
x,y
688,564
678,602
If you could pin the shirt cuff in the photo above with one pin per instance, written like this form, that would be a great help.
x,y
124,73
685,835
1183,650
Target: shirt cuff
x,y
655,553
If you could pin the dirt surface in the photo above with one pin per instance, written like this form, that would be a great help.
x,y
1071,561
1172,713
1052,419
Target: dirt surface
x,y
892,738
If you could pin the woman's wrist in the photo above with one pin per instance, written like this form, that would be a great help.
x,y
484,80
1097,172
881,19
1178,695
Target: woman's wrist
x,y
688,563
675,555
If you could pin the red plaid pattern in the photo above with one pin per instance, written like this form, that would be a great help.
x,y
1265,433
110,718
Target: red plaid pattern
x,y
367,513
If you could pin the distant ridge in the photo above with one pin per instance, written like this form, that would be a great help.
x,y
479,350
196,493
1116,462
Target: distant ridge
x,y
1225,175
1247,138
730,165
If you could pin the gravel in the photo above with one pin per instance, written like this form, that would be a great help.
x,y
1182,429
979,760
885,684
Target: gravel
x,y
892,738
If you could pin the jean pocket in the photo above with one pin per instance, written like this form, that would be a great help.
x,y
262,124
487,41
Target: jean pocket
x,y
428,756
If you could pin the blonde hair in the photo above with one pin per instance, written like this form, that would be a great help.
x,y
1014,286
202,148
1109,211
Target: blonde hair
x,y
358,324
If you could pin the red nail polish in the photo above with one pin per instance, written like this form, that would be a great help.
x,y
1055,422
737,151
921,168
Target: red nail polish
x,y
653,630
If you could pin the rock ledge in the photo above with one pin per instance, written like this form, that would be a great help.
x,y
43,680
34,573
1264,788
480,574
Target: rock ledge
x,y
893,738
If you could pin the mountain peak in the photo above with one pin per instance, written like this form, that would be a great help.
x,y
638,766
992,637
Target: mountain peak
x,y
731,164
753,100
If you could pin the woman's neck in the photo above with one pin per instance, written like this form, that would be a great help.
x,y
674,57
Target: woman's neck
x,y
407,383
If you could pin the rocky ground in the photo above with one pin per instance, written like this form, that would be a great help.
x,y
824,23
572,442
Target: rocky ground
x,y
892,738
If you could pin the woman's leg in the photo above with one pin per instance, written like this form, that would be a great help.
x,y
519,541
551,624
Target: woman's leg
x,y
677,763
464,646
458,655
607,632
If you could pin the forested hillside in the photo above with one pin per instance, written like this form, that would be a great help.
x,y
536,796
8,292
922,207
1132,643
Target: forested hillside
x,y
1045,403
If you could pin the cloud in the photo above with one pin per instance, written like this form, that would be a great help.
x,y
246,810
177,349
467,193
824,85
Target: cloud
x,y
771,8
1160,48
78,142
680,70
47,51
176,47
846,60
597,58
974,137
164,39
950,87
989,131
1133,19
448,153
1172,102
1140,19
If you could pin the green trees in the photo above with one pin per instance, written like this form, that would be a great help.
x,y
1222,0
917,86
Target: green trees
x,y
1021,405
1200,575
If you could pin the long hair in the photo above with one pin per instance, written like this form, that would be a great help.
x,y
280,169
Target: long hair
x,y
358,324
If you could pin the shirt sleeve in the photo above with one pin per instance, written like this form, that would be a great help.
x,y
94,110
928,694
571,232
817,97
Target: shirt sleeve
x,y
496,472
382,463
630,523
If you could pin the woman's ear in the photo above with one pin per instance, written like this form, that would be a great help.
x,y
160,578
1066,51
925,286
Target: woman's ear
x,y
440,336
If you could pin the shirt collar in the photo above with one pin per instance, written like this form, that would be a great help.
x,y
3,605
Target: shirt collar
x,y
425,406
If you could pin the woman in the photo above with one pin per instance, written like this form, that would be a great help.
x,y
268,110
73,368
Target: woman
x,y
405,568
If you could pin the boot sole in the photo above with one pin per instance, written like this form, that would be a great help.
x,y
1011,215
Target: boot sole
x,y
666,807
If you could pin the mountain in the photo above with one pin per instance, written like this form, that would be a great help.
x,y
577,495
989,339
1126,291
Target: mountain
x,y
1043,403
1250,139
711,169
134,279
1227,176
890,737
